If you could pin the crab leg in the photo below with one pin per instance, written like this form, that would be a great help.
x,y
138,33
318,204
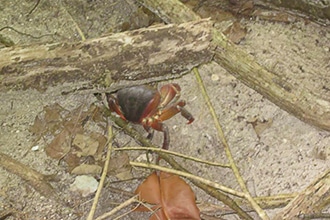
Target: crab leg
x,y
187,115
166,142
174,109
169,92
150,132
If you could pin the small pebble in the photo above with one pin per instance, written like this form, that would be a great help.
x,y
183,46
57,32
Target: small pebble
x,y
85,185
215,77
35,148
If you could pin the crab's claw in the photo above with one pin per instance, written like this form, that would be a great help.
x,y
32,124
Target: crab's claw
x,y
187,115
114,106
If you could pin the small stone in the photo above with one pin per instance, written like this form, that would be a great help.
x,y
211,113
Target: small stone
x,y
35,148
215,77
85,185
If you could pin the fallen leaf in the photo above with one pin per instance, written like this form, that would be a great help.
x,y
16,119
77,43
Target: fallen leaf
x,y
87,145
178,199
38,127
102,140
171,197
59,146
53,113
149,191
87,169
72,160
119,166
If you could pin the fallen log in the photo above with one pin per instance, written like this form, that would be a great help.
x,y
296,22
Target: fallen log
x,y
133,57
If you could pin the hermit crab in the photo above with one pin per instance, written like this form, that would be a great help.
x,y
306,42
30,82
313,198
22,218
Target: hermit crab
x,y
149,107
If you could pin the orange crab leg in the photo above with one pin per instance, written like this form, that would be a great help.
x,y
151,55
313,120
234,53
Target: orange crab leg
x,y
159,126
175,109
152,107
169,92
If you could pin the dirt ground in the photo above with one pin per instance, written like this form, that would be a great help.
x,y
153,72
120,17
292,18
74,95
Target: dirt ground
x,y
284,158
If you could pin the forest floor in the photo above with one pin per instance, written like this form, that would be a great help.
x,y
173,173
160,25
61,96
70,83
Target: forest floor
x,y
285,156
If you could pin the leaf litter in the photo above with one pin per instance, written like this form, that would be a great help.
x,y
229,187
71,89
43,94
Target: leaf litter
x,y
77,138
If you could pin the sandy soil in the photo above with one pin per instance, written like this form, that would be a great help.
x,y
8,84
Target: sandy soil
x,y
285,158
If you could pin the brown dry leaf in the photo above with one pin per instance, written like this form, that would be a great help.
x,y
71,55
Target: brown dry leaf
x,y
74,136
178,199
53,113
119,166
149,192
175,201
72,127
102,140
85,169
59,146
235,32
87,146
38,128
97,114
48,121
72,160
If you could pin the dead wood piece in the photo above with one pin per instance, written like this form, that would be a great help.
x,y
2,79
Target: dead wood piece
x,y
295,99
149,54
31,176
311,200
316,9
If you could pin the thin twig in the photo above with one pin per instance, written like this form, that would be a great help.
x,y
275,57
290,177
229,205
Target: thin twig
x,y
189,176
34,7
175,154
222,137
80,32
116,209
103,177
25,34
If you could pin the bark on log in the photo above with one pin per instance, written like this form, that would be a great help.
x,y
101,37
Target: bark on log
x,y
139,56
309,106
310,201
316,9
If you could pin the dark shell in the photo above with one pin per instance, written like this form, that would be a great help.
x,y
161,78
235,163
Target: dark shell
x,y
134,100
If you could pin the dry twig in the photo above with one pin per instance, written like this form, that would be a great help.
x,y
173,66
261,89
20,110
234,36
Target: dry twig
x,y
103,177
211,163
222,137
